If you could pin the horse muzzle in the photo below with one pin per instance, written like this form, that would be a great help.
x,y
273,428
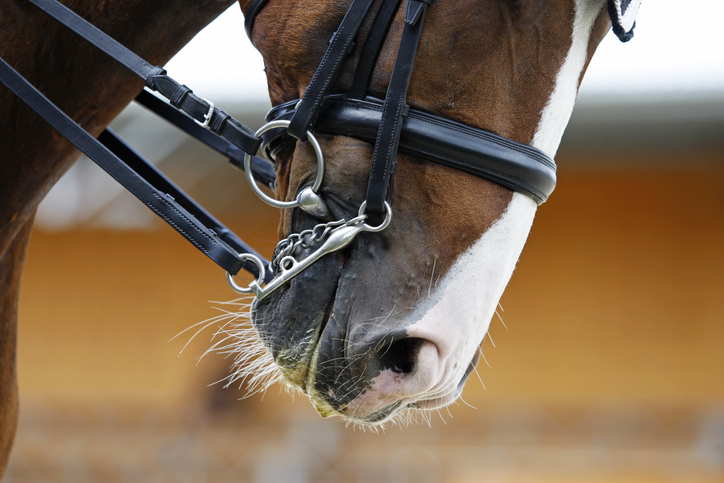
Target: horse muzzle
x,y
352,359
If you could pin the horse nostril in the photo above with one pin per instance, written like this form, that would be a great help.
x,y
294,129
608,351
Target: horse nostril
x,y
401,355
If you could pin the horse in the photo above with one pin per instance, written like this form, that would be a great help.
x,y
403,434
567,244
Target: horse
x,y
392,322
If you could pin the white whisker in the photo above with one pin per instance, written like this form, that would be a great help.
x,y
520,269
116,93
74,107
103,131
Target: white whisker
x,y
429,288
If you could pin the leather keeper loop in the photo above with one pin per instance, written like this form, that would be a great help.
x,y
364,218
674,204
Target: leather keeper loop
x,y
178,96
150,80
218,120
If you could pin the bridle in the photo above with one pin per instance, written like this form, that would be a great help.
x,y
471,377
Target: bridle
x,y
390,124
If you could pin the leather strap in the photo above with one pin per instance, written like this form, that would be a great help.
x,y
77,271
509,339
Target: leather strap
x,y
171,191
155,78
339,47
372,48
181,215
96,37
517,166
202,111
250,16
263,170
384,158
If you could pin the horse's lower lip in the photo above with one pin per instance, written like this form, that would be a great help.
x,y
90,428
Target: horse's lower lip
x,y
380,415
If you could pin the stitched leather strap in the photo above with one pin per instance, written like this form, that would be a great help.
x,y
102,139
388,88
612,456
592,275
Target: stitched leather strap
x,y
198,109
372,48
517,166
96,37
326,73
155,78
384,158
176,195
263,170
185,216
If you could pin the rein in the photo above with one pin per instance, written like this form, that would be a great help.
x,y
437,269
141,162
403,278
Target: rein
x,y
390,124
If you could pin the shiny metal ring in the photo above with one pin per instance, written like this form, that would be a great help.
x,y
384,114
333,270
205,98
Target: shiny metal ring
x,y
385,222
259,280
250,176
209,114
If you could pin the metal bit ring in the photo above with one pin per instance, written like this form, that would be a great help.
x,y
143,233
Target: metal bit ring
x,y
381,226
250,176
259,281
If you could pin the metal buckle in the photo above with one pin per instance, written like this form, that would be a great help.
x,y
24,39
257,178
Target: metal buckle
x,y
208,115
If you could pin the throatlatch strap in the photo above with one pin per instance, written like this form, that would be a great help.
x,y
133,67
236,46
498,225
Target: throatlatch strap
x,y
384,160
250,16
339,47
159,201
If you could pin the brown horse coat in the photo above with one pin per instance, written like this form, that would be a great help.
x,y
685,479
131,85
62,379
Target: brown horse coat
x,y
92,89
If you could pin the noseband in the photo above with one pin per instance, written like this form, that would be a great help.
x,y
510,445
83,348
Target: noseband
x,y
390,124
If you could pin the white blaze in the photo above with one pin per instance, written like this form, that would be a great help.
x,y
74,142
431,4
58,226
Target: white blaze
x,y
457,316
558,111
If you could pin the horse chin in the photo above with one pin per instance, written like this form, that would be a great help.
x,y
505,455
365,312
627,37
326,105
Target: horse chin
x,y
393,391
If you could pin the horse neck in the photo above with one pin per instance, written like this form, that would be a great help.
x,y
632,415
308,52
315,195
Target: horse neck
x,y
89,87
11,264
85,83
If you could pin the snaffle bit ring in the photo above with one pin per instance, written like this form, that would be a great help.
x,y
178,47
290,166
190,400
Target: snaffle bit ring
x,y
250,176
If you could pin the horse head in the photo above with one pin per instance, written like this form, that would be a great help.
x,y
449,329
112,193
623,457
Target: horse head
x,y
395,320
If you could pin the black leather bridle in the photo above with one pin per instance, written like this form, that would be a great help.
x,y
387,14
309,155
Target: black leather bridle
x,y
389,124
